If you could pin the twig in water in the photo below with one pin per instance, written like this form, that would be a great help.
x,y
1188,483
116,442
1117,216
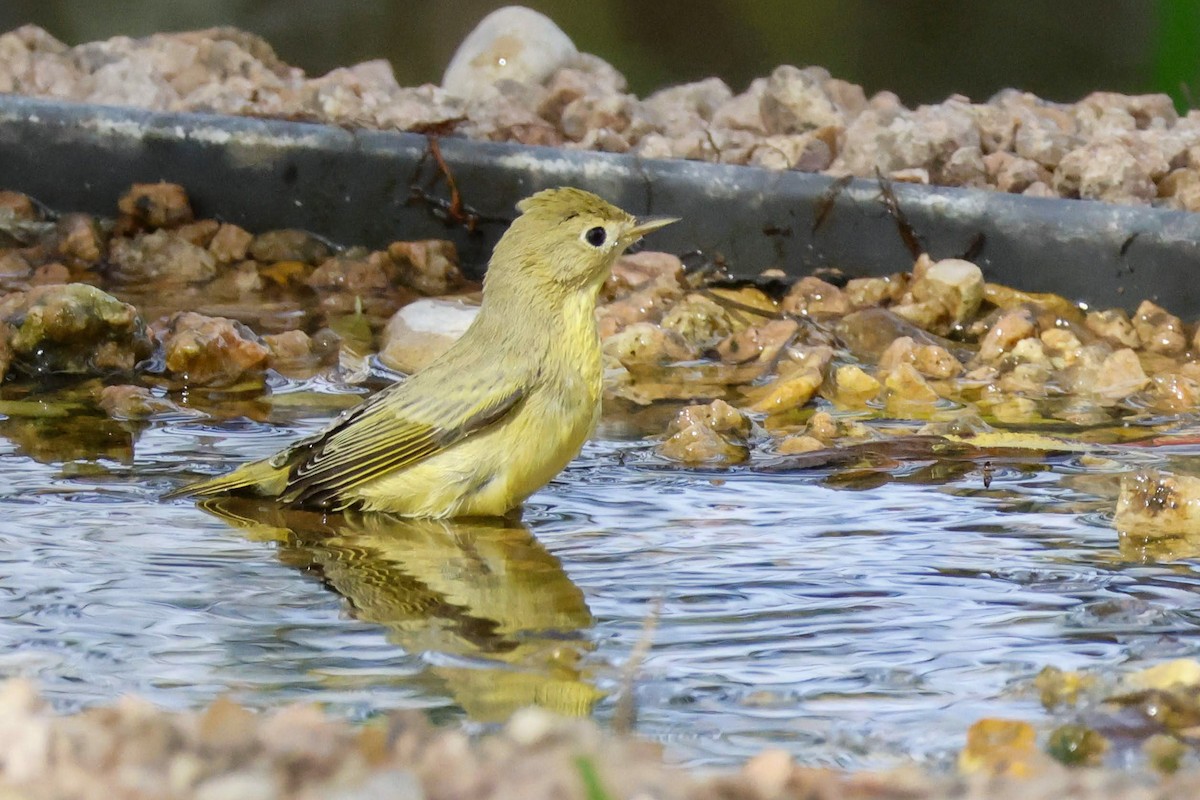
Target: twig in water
x,y
625,714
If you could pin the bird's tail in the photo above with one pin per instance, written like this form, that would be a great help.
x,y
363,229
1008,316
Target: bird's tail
x,y
257,478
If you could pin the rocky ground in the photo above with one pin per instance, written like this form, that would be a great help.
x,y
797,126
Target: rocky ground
x,y
777,366
1106,146
153,312
132,750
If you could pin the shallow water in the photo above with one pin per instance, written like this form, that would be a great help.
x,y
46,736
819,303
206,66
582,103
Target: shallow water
x,y
852,617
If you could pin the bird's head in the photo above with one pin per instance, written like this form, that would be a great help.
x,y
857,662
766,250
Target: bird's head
x,y
566,238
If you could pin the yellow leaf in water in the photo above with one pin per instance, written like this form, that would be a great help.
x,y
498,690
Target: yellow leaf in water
x,y
285,272
1181,672
1020,441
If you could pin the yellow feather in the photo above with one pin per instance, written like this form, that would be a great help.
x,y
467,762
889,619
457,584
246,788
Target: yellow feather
x,y
501,412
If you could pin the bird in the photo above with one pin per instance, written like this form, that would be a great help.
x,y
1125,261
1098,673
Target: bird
x,y
479,589
501,412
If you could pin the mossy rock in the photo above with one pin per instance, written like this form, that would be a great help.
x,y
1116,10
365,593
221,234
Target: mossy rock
x,y
72,329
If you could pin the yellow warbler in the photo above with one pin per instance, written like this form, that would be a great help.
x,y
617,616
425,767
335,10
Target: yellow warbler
x,y
501,412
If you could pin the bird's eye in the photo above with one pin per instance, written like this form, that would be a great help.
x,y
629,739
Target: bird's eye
x,y
596,236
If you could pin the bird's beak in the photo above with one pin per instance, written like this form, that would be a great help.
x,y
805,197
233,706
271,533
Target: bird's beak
x,y
645,226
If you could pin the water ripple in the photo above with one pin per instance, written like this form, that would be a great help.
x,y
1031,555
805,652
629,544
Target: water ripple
x,y
856,628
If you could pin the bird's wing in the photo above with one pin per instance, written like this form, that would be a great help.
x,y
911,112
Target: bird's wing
x,y
394,429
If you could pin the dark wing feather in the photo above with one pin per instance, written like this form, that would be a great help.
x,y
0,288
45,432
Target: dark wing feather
x,y
391,431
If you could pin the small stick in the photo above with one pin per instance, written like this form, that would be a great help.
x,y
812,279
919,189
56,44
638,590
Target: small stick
x,y
455,211
625,714
907,234
827,200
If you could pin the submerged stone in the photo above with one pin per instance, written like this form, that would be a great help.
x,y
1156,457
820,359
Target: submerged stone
x,y
1153,504
295,353
712,434
1001,747
1076,745
133,402
643,347
161,258
73,329
428,266
289,245
423,330
155,205
212,351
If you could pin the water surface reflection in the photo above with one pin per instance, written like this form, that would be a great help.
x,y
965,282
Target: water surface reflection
x,y
504,621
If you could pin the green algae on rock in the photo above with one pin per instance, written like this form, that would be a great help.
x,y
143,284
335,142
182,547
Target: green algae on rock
x,y
73,329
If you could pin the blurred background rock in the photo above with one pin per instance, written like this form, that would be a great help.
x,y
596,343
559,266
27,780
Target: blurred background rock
x,y
923,50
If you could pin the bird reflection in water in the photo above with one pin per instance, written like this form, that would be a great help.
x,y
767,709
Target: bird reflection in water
x,y
477,590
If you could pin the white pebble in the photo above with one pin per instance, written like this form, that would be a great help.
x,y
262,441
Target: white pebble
x,y
512,43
